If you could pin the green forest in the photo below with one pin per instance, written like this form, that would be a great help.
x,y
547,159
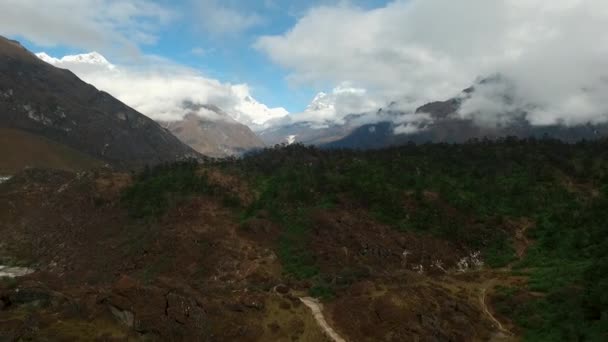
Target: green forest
x,y
561,188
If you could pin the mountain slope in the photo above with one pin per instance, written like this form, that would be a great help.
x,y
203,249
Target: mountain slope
x,y
217,136
438,242
39,152
41,99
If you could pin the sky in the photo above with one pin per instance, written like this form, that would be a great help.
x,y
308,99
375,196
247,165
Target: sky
x,y
214,37
351,56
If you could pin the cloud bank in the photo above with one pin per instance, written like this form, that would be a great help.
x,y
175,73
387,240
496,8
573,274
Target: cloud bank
x,y
554,55
89,24
160,89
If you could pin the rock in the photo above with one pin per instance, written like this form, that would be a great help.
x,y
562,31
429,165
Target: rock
x,y
13,272
282,289
124,316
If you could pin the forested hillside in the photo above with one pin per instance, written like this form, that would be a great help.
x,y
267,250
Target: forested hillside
x,y
467,194
489,239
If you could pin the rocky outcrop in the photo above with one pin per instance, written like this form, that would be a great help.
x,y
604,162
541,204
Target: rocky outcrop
x,y
168,314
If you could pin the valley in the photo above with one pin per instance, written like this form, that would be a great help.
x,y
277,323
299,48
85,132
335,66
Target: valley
x,y
303,171
400,244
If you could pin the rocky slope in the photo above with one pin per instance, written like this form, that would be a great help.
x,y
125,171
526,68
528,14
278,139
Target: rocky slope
x,y
220,136
55,104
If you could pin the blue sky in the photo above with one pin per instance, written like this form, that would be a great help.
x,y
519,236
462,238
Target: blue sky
x,y
227,56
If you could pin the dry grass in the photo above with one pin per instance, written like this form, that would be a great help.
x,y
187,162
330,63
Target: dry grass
x,y
21,149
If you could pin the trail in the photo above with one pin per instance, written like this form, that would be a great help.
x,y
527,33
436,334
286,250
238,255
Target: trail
x,y
502,331
521,244
317,312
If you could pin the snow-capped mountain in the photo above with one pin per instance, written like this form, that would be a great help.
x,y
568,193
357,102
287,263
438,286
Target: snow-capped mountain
x,y
321,102
328,117
167,88
253,113
92,58
47,58
66,119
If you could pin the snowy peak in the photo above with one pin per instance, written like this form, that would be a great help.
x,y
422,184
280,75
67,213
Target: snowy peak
x,y
236,100
253,113
43,56
91,58
321,102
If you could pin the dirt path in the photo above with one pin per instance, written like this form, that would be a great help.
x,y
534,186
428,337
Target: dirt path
x,y
502,333
317,312
521,244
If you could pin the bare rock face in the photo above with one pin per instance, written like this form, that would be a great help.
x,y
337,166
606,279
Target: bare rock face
x,y
220,136
53,103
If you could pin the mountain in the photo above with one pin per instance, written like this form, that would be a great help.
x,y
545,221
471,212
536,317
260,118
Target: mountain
x,y
216,135
491,108
308,133
439,121
92,58
321,122
234,99
54,104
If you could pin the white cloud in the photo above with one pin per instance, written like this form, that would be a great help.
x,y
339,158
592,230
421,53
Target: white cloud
x,y
219,18
334,106
554,52
89,24
159,89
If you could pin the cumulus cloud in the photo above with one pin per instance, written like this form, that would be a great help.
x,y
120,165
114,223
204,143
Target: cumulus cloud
x,y
90,24
554,54
160,89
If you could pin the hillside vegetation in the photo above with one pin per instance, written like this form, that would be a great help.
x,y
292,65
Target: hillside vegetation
x,y
465,194
470,242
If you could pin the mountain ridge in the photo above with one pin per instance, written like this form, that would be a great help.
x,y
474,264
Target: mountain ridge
x,y
41,99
